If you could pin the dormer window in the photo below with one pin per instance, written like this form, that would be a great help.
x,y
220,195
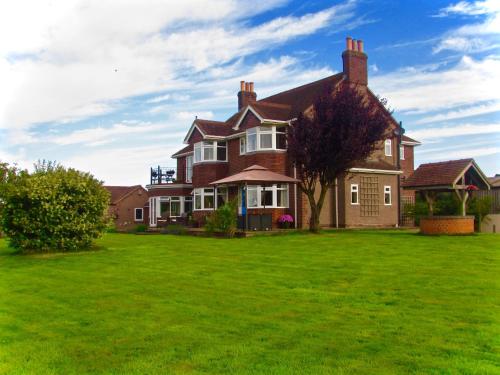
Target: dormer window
x,y
263,138
388,147
210,151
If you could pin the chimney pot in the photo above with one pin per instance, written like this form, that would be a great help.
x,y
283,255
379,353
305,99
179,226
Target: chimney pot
x,y
348,43
251,86
354,45
242,85
360,45
247,86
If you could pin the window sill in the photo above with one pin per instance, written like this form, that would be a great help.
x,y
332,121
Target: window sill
x,y
272,150
209,162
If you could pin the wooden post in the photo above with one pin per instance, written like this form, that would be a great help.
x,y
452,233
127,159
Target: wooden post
x,y
463,196
430,196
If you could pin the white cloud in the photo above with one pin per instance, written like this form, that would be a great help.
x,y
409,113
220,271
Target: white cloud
x,y
464,152
425,89
474,110
454,131
83,60
475,8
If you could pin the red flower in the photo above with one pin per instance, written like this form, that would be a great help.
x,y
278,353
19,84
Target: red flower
x,y
471,188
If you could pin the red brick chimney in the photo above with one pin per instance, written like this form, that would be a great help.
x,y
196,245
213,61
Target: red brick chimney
x,y
355,62
246,95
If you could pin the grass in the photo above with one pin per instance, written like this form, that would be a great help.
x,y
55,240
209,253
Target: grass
x,y
349,302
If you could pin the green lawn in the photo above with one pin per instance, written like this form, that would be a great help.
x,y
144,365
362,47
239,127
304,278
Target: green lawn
x,y
346,302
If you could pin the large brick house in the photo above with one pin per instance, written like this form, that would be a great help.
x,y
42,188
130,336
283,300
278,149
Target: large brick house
x,y
255,137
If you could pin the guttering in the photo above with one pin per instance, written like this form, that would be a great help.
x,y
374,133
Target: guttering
x,y
180,155
408,143
368,170
168,186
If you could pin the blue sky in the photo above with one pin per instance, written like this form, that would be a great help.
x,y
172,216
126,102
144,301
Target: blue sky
x,y
112,87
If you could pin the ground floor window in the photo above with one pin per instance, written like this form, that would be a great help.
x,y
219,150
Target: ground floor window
x,y
387,196
272,196
204,198
354,194
138,214
167,207
170,206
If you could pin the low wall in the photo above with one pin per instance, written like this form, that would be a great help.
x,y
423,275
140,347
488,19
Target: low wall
x,y
491,224
447,225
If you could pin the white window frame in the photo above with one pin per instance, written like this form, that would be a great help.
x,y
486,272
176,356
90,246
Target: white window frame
x,y
258,132
387,190
135,214
170,199
199,149
274,189
202,194
243,145
402,152
388,147
355,189
189,168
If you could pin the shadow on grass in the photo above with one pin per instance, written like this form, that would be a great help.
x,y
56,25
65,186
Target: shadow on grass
x,y
10,251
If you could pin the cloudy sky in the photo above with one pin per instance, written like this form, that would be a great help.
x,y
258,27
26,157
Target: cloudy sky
x,y
111,87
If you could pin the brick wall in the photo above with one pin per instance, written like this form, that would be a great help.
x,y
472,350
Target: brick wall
x,y
124,211
447,225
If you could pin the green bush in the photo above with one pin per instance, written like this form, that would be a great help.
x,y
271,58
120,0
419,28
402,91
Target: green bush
x,y
223,220
140,228
53,208
176,229
480,207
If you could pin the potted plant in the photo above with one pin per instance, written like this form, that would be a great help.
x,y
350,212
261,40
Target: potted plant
x,y
285,221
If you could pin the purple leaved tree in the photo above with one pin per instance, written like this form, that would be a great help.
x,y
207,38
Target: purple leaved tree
x,y
344,127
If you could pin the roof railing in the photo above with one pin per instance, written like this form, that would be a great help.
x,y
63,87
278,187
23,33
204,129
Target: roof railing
x,y
163,175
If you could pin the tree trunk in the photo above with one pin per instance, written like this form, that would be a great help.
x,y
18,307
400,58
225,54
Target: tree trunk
x,y
316,207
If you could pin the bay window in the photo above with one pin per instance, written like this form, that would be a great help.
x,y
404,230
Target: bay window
x,y
210,151
263,138
273,196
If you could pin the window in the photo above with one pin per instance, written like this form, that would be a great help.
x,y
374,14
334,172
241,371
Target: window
x,y
170,207
210,151
354,194
188,204
204,199
243,145
387,196
139,214
281,138
251,139
402,152
221,196
189,168
265,138
270,196
388,147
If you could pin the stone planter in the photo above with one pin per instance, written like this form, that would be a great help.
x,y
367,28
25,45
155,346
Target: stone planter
x,y
447,225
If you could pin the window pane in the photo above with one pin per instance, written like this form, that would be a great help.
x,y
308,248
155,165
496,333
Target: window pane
x,y
197,153
402,152
281,141
251,142
388,147
188,206
252,197
266,140
266,197
354,197
164,209
221,153
208,153
282,196
242,145
175,209
197,202
138,214
208,201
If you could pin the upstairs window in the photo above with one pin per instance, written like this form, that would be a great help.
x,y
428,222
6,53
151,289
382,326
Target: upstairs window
x,y
243,145
264,138
388,147
210,151
189,168
402,152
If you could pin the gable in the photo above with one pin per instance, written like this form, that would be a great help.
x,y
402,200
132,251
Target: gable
x,y
249,121
195,136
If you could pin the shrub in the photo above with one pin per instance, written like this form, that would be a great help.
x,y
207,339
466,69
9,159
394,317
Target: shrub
x,y
53,208
480,207
140,228
223,220
176,229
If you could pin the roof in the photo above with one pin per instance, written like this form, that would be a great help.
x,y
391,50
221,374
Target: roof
x,y
188,148
214,128
255,174
119,192
441,174
406,139
494,181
